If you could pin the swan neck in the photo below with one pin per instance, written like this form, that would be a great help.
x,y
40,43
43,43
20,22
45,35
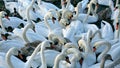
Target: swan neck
x,y
43,61
117,2
33,55
46,22
99,34
108,46
68,4
1,23
24,33
8,55
102,63
28,9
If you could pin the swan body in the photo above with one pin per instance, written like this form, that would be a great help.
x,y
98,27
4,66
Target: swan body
x,y
86,18
44,7
108,46
26,64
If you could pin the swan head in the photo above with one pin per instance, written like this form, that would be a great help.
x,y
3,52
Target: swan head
x,y
117,7
47,43
64,23
107,57
94,2
15,51
69,45
3,14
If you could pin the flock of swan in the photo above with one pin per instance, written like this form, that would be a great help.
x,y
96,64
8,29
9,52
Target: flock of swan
x,y
66,37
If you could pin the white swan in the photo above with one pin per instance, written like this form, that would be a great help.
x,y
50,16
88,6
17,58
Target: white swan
x,y
31,36
86,18
99,43
3,56
68,6
106,60
26,64
44,7
49,54
59,57
75,56
90,57
2,14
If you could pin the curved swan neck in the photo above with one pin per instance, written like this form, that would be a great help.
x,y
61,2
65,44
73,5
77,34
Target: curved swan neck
x,y
99,34
46,22
59,57
24,33
33,55
106,49
7,58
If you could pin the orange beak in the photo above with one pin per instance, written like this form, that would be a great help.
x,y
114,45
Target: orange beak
x,y
20,56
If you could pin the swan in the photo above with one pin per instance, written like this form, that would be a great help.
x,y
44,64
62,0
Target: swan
x,y
90,57
3,56
75,56
34,14
68,6
107,27
49,54
26,64
115,63
104,2
11,5
29,36
59,57
98,44
44,7
106,60
86,18
2,14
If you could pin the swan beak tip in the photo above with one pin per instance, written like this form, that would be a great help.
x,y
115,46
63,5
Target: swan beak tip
x,y
21,57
